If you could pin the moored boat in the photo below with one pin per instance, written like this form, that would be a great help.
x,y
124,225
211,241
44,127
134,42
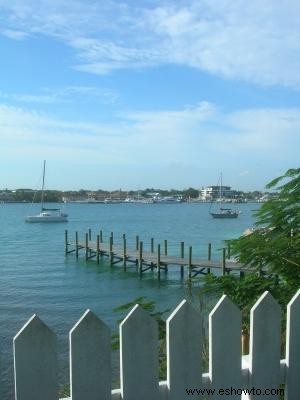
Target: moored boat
x,y
223,213
47,214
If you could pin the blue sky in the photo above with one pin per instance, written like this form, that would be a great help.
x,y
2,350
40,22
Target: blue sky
x,y
134,94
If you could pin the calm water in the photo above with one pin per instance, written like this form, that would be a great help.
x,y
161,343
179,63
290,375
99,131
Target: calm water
x,y
36,277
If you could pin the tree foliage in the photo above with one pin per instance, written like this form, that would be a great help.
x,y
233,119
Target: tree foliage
x,y
274,244
271,249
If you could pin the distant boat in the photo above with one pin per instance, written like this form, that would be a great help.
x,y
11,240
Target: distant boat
x,y
167,199
223,212
47,214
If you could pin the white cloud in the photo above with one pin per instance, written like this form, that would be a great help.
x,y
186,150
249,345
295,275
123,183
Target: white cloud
x,y
252,41
69,94
13,34
198,133
167,148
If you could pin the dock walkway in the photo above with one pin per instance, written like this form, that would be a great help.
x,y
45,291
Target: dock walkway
x,y
157,260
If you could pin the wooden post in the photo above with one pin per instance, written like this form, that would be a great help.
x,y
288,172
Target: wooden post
x,y
124,251
101,236
66,242
209,256
182,256
141,258
166,253
228,251
137,240
98,248
111,250
112,237
86,246
90,234
152,245
190,262
158,261
152,251
76,244
224,262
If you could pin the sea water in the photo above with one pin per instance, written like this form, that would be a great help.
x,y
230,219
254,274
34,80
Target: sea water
x,y
37,278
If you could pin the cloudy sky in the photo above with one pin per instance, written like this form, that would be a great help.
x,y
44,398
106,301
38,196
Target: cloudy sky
x,y
148,93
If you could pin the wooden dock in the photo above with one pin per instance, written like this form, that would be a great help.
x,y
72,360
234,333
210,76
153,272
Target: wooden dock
x,y
155,259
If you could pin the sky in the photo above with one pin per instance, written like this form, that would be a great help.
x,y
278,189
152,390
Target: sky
x,y
146,93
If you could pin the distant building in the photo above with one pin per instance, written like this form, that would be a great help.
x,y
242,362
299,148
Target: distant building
x,y
6,196
213,192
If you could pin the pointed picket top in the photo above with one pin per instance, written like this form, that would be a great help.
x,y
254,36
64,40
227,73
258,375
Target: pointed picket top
x,y
87,322
184,348
35,360
294,303
139,356
225,345
265,339
292,387
90,365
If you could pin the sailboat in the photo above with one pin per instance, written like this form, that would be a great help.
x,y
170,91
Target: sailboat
x,y
47,214
223,212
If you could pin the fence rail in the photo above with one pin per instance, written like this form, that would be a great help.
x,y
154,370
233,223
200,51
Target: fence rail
x,y
36,368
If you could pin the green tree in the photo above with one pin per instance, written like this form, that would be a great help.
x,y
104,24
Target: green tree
x,y
271,249
274,244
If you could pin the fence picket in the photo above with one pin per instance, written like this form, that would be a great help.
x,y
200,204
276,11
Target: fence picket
x,y
90,365
292,388
184,348
264,362
139,356
225,348
36,370
35,362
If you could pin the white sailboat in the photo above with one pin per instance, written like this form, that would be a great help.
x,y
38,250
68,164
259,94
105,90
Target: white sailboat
x,y
47,214
223,212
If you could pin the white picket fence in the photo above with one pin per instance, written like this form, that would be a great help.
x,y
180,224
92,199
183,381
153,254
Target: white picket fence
x,y
35,355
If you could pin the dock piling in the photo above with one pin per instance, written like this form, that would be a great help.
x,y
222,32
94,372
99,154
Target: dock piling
x,y
86,246
98,249
111,250
209,256
140,258
228,251
66,242
76,244
166,253
190,262
158,261
124,251
182,256
223,261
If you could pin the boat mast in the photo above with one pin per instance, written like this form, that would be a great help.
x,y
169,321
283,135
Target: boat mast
x,y
220,194
42,197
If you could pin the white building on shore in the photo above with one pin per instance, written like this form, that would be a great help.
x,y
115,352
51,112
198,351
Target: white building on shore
x,y
213,192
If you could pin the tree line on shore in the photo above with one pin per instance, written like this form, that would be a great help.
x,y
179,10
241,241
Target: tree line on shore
x,y
57,196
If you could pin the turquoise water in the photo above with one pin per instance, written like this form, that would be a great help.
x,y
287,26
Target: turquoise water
x,y
36,277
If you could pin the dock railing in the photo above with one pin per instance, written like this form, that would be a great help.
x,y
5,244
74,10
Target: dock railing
x,y
36,367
